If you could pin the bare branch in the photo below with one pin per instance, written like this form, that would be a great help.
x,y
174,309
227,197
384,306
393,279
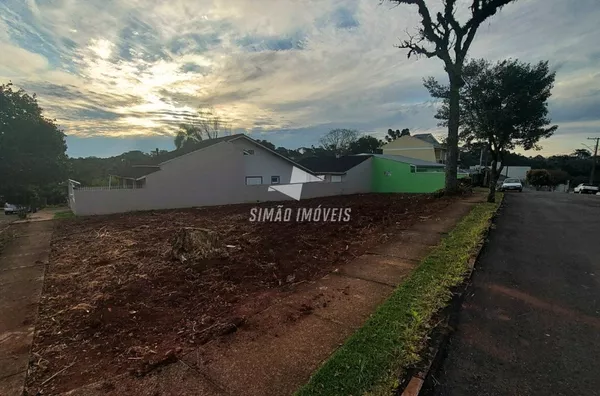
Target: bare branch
x,y
413,44
428,31
480,11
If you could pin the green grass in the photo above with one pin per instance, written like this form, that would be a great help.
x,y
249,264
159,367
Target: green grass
x,y
67,214
371,360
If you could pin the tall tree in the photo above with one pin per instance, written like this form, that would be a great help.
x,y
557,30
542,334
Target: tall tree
x,y
366,145
205,124
443,36
338,141
504,105
32,148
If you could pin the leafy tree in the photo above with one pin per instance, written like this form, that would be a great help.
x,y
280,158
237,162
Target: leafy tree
x,y
267,144
504,105
539,178
205,124
557,177
338,141
393,135
366,144
32,148
582,154
443,36
292,154
187,135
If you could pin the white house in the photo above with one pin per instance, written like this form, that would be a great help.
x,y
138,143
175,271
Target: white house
x,y
226,170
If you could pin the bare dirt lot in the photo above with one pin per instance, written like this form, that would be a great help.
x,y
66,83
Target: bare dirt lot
x,y
115,300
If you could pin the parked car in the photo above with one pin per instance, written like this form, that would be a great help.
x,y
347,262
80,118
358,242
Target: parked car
x,y
585,189
511,184
10,208
13,209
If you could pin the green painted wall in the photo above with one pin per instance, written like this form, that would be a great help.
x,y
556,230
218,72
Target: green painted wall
x,y
401,180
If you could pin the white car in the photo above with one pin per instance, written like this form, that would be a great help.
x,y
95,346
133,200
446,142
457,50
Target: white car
x,y
10,209
585,189
511,184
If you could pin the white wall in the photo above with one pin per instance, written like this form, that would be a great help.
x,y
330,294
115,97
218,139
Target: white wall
x,y
205,177
358,179
520,172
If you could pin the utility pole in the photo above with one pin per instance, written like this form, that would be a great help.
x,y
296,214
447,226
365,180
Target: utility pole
x,y
594,158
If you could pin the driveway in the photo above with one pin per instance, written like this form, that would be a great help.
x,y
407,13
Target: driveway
x,y
530,324
21,279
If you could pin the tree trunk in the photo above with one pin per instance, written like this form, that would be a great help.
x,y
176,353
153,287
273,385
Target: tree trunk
x,y
452,141
495,174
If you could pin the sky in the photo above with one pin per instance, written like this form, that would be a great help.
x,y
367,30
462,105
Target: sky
x,y
121,75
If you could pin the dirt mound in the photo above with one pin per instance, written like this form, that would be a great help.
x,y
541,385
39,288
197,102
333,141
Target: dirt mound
x,y
195,244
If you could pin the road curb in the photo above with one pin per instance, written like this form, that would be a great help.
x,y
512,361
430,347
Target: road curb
x,y
416,384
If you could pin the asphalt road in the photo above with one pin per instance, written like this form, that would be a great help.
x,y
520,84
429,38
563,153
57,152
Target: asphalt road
x,y
530,324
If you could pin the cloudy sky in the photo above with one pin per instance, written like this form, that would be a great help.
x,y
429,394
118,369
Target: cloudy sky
x,y
120,75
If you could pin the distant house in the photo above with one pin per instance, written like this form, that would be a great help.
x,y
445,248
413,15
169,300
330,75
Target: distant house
x,y
383,173
226,170
338,169
421,146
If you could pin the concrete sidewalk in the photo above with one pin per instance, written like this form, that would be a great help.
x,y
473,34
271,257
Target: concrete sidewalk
x,y
530,322
21,280
279,348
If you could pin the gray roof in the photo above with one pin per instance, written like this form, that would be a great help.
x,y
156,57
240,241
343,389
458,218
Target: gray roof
x,y
332,164
411,161
195,147
429,138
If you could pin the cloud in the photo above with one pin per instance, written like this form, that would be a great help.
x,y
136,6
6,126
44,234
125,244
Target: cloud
x,y
285,69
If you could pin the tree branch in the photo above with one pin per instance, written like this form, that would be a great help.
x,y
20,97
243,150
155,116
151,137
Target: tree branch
x,y
480,11
414,47
430,32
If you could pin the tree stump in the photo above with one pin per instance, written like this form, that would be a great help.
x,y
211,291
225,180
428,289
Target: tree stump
x,y
195,244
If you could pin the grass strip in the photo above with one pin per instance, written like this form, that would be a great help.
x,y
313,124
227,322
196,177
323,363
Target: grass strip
x,y
67,214
372,359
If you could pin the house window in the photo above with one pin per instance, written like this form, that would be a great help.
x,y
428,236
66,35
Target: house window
x,y
248,152
336,178
274,179
253,180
